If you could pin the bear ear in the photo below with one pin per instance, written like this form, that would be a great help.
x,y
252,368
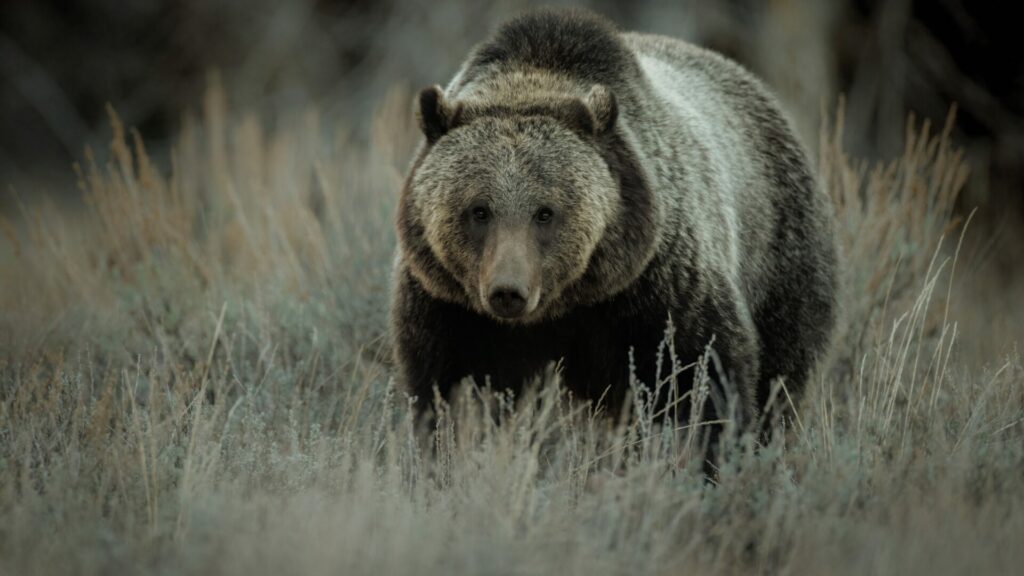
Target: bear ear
x,y
433,113
603,108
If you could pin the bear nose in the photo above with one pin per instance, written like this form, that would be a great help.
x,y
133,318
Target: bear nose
x,y
507,302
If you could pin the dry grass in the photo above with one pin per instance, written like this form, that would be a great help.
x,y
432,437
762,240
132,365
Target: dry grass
x,y
191,382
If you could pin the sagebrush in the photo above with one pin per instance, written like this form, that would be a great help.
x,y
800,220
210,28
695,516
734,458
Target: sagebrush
x,y
195,379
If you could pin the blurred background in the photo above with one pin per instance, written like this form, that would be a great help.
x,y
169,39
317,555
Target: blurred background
x,y
62,61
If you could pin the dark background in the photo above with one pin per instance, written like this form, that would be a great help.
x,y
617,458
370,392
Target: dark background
x,y
61,61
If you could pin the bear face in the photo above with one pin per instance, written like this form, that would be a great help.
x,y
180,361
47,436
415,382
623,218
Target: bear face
x,y
526,200
512,207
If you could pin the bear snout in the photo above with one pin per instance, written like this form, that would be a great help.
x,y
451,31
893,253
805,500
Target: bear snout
x,y
510,282
507,301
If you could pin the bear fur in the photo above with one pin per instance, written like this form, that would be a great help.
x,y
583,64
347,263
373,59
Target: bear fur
x,y
579,186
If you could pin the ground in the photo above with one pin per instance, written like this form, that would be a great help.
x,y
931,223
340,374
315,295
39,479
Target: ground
x,y
194,380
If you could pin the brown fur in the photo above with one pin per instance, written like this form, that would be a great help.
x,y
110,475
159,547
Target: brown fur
x,y
676,188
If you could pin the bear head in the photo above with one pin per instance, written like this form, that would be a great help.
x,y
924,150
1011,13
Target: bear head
x,y
522,210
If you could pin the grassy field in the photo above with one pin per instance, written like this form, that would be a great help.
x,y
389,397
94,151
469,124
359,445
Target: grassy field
x,y
194,379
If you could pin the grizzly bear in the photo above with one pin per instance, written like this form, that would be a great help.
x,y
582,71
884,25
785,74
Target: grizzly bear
x,y
578,187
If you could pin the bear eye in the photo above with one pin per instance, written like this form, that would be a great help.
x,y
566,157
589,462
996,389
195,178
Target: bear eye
x,y
544,215
481,214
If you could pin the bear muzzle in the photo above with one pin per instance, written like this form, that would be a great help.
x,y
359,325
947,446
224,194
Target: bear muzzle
x,y
510,300
507,301
510,279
